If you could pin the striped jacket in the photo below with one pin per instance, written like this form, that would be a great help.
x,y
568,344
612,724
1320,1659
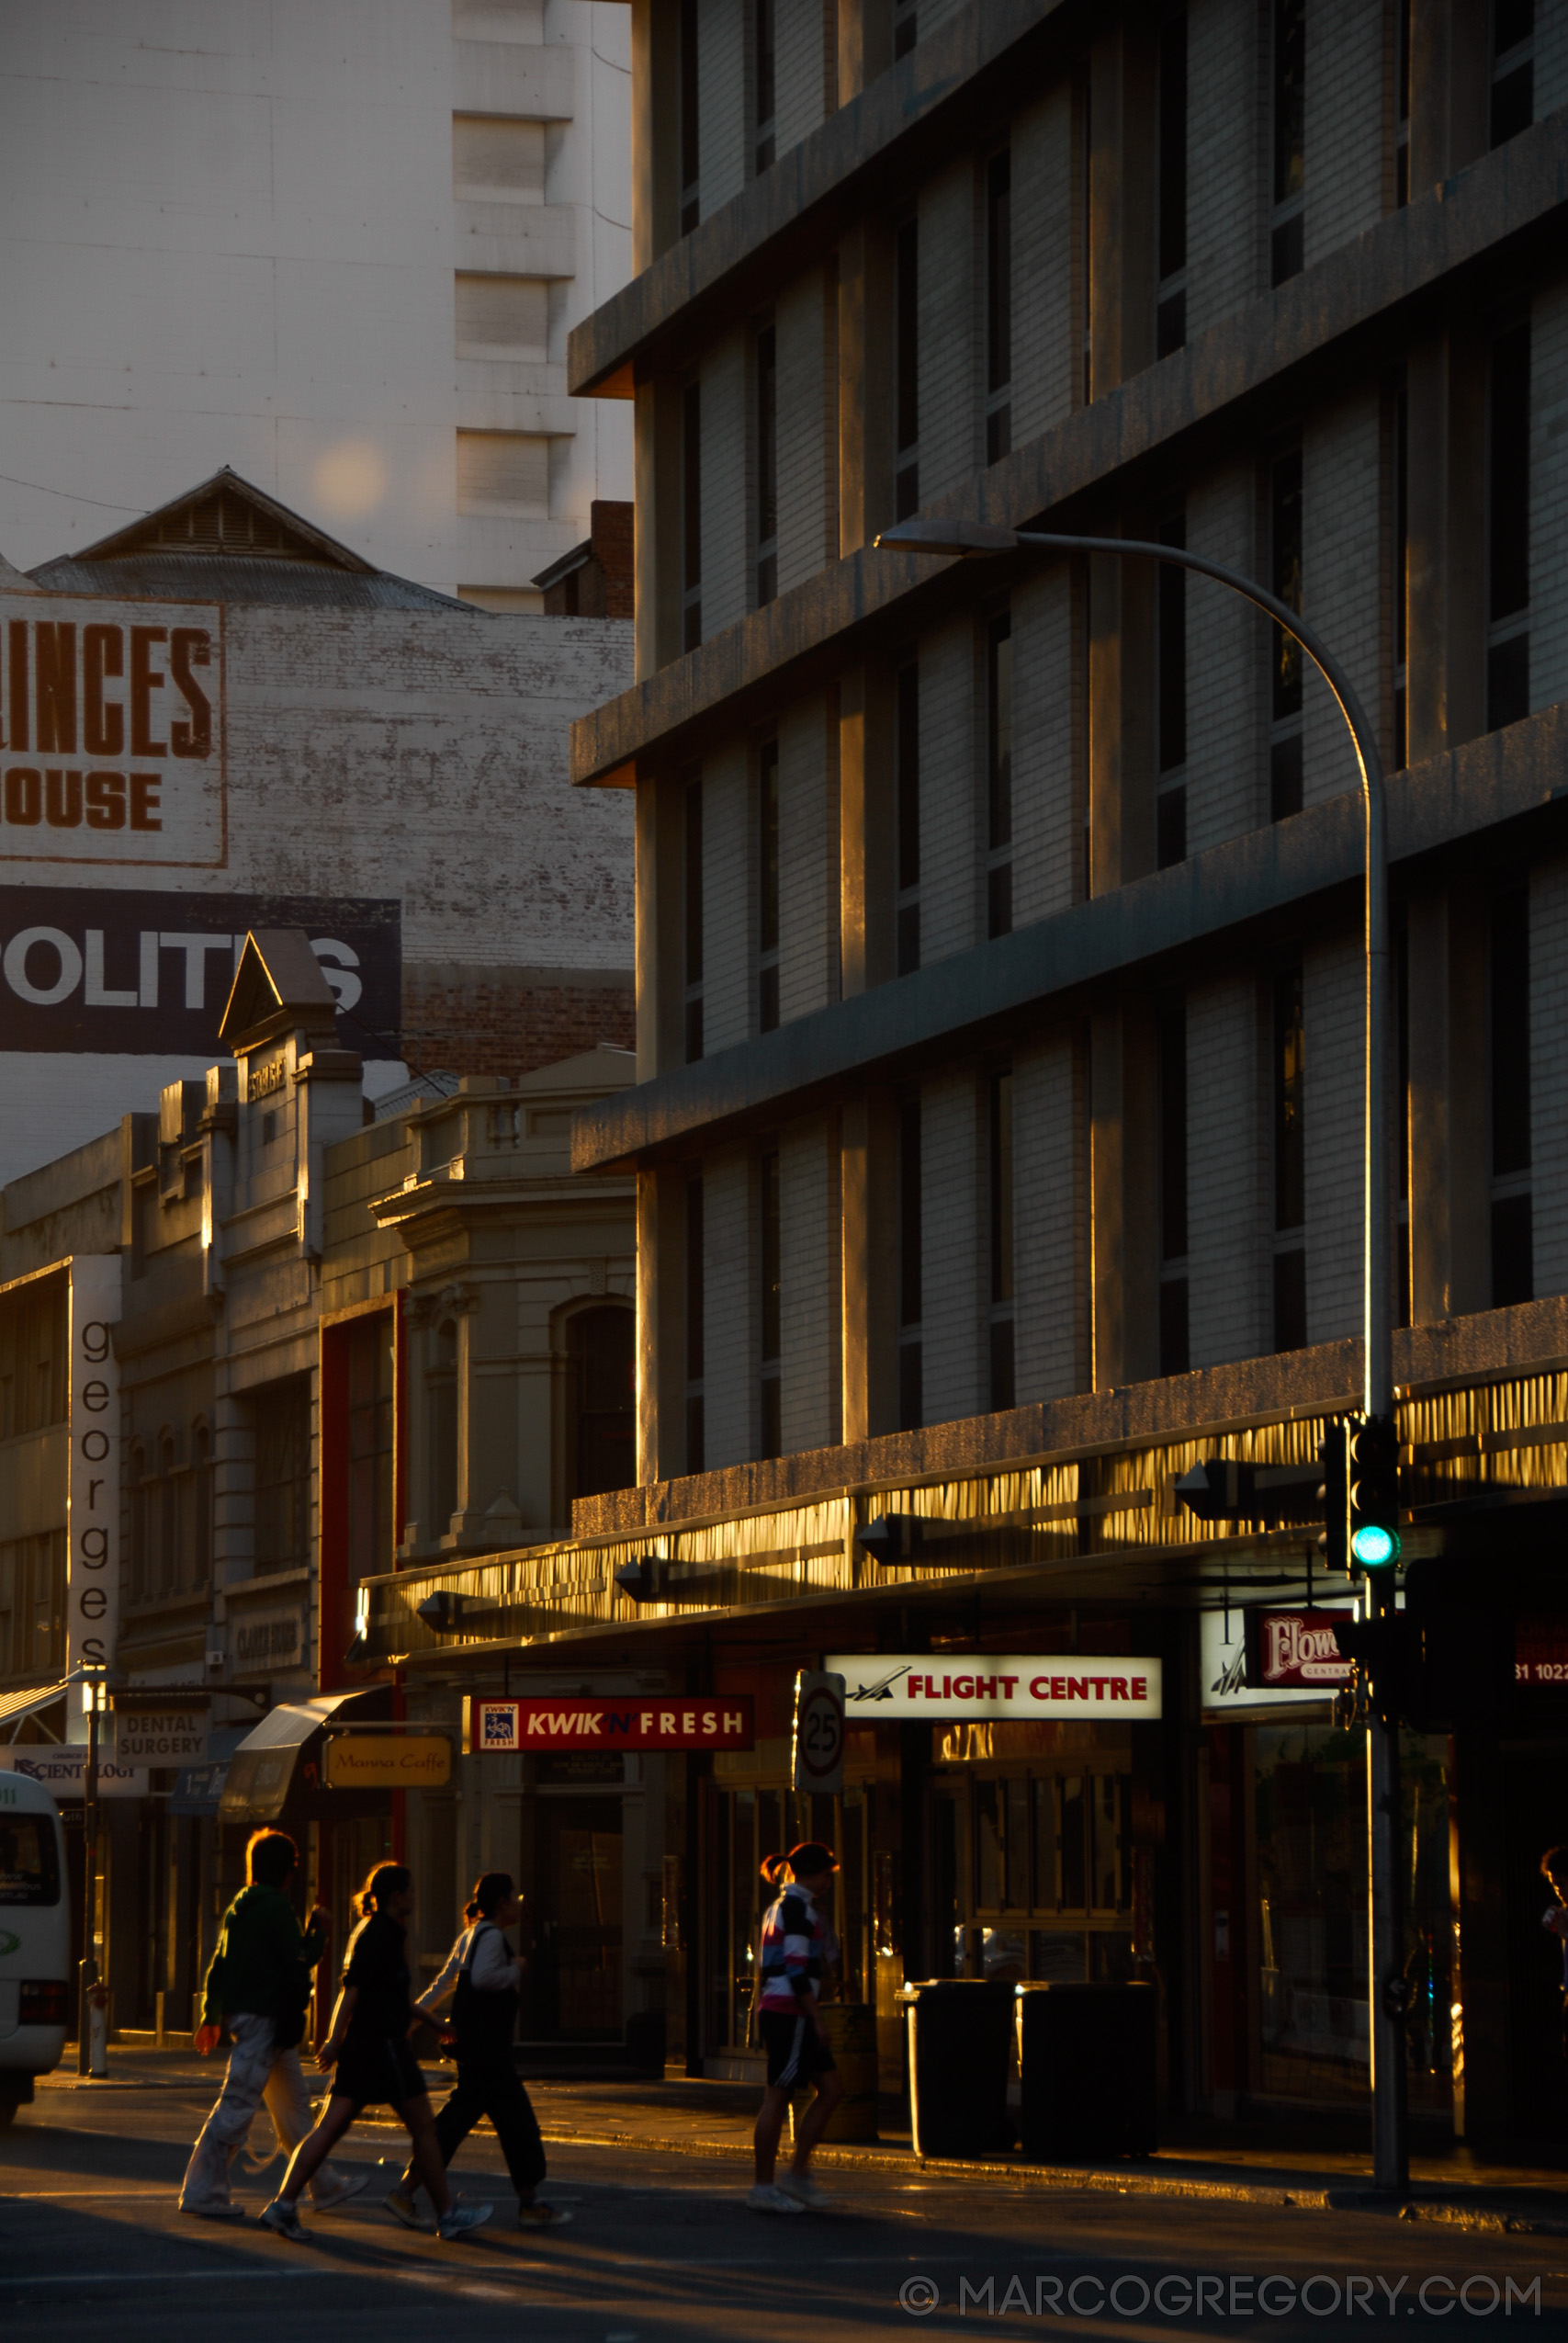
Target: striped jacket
x,y
792,1951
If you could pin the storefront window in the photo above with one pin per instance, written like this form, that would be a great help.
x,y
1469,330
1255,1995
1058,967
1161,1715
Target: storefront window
x,y
1311,1815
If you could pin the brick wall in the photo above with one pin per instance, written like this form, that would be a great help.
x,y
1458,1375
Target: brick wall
x,y
1043,242
728,488
950,372
949,792
729,1327
800,320
723,100
808,855
811,1314
1333,1021
1047,810
1347,59
800,31
953,1289
1225,651
1548,485
505,1021
1225,178
1050,1233
728,829
1226,1176
1345,577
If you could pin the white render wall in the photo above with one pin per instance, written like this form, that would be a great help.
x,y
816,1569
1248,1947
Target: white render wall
x,y
256,265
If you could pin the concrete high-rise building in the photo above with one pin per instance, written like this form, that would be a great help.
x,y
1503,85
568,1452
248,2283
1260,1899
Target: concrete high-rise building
x,y
336,246
999,1128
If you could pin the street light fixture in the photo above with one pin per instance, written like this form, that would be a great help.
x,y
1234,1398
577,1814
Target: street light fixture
x,y
1386,1983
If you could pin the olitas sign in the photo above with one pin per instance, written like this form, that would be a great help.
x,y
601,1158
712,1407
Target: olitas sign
x,y
884,1687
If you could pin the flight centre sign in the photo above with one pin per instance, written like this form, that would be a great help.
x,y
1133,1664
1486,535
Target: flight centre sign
x,y
891,1687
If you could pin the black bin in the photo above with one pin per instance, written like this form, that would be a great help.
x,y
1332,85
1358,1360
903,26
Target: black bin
x,y
959,2056
1086,2058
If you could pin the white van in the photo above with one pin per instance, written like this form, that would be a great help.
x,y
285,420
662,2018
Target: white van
x,y
35,1940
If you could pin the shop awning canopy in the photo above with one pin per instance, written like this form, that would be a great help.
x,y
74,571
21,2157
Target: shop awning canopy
x,y
16,1707
262,1768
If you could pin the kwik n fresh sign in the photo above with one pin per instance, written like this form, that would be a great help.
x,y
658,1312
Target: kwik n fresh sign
x,y
508,1725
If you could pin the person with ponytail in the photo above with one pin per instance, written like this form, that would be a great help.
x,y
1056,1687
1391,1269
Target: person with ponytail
x,y
368,2055
481,1978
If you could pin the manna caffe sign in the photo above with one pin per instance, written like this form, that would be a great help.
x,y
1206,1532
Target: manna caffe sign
x,y
885,1687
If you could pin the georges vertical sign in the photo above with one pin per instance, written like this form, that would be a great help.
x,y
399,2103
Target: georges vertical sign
x,y
112,732
92,1575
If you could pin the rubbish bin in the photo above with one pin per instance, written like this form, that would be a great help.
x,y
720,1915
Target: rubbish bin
x,y
1086,2058
957,2033
850,2029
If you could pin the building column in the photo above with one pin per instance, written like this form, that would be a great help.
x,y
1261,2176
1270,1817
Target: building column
x,y
865,394
1123,1157
1449,1220
865,44
1122,144
656,197
1450,89
660,927
869,1157
661,1322
1444,468
865,827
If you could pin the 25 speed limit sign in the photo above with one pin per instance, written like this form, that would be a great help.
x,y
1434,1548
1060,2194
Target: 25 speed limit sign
x,y
818,1732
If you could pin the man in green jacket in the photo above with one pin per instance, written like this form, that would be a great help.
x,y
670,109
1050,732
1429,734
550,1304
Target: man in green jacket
x,y
259,1986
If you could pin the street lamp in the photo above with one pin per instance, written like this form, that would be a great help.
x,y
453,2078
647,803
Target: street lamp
x,y
1386,1983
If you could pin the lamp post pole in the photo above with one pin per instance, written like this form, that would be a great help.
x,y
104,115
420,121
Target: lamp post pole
x,y
1386,1929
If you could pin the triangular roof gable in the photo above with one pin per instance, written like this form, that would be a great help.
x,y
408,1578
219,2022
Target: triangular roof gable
x,y
228,515
277,984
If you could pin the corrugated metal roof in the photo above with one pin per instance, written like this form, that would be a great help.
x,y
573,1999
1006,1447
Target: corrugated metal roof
x,y
227,577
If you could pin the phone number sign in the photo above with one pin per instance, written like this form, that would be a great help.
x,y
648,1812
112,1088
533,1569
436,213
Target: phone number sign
x,y
511,1726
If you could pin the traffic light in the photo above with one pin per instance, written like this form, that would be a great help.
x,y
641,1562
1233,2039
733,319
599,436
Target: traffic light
x,y
1389,1655
1373,1460
1334,1497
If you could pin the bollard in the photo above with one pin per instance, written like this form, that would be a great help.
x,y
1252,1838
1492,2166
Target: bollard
x,y
98,2031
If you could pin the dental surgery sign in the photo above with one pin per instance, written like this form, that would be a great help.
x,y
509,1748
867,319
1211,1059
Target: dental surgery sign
x,y
884,1687
637,1722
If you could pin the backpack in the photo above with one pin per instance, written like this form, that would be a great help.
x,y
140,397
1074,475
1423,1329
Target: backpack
x,y
483,2023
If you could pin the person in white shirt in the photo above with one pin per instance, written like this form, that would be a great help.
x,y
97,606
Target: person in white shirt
x,y
480,1978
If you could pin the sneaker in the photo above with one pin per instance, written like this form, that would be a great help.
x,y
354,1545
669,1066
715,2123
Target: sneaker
x,y
284,2220
215,2212
401,2207
350,2184
803,2191
462,2219
772,2199
542,2216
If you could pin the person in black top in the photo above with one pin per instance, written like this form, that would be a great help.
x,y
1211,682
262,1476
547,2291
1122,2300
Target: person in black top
x,y
481,1978
368,2046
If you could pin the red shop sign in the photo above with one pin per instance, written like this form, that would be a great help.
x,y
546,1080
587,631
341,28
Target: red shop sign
x,y
1540,1651
1293,1651
660,1723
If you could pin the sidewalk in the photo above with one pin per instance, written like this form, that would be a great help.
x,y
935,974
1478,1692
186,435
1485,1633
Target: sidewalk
x,y
1305,2163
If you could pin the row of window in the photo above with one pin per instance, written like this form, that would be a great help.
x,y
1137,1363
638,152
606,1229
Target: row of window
x,y
1513,100
1509,1202
32,1605
1507,626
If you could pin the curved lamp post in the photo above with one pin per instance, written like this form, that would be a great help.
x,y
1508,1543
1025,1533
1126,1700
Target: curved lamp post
x,y
1387,1990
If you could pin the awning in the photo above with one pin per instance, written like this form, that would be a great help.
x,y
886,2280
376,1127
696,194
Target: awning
x,y
16,1707
262,1768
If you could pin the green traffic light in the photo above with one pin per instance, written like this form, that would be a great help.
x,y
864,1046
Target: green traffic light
x,y
1373,1546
